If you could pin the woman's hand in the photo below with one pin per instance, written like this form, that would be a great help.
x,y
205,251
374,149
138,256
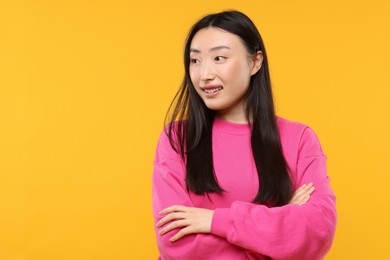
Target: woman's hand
x,y
189,220
302,194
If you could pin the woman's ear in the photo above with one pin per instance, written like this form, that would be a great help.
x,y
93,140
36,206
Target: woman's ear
x,y
257,62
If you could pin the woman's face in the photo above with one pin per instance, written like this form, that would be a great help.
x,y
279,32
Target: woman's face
x,y
220,70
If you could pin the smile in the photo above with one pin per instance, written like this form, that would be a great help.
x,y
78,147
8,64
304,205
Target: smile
x,y
212,90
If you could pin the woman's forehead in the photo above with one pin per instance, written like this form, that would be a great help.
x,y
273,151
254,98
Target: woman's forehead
x,y
211,39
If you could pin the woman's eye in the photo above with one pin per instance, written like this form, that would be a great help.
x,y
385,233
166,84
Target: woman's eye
x,y
194,61
220,58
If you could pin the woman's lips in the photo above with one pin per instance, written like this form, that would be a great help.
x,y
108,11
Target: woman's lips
x,y
211,90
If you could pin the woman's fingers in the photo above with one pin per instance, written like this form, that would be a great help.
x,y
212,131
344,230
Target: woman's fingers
x,y
304,200
174,208
183,232
303,189
170,217
172,213
186,220
173,225
302,194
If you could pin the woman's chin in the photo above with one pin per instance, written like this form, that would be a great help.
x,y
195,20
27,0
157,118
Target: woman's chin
x,y
214,107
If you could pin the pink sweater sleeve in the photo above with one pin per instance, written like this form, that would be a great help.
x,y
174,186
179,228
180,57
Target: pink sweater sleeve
x,y
291,231
169,189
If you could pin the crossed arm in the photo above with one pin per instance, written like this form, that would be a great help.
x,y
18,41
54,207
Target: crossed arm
x,y
191,220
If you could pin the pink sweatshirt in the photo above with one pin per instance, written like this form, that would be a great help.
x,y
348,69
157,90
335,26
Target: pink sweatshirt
x,y
241,229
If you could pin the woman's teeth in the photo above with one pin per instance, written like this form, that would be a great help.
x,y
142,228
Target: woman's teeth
x,y
213,90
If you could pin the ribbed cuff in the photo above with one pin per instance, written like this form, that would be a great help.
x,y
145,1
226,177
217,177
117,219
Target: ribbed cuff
x,y
220,222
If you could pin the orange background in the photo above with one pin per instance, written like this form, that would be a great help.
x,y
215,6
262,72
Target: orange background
x,y
84,87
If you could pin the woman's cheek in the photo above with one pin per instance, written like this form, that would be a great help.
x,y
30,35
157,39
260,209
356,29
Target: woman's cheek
x,y
193,77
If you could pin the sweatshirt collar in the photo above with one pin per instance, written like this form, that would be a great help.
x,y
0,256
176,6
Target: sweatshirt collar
x,y
231,128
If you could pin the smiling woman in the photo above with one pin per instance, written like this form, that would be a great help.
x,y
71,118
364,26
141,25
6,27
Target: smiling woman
x,y
221,73
231,179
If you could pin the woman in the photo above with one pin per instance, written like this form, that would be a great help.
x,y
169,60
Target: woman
x,y
226,166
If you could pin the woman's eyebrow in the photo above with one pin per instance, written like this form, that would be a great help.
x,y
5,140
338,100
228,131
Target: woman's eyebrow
x,y
212,49
219,47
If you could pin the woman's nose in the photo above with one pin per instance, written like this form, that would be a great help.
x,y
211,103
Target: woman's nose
x,y
207,72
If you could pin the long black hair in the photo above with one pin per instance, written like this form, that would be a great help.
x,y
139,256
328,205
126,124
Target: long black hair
x,y
190,121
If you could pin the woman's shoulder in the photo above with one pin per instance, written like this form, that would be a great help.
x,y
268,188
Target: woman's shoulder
x,y
168,143
289,127
296,136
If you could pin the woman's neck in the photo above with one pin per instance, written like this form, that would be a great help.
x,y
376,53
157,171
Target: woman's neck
x,y
238,117
235,114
